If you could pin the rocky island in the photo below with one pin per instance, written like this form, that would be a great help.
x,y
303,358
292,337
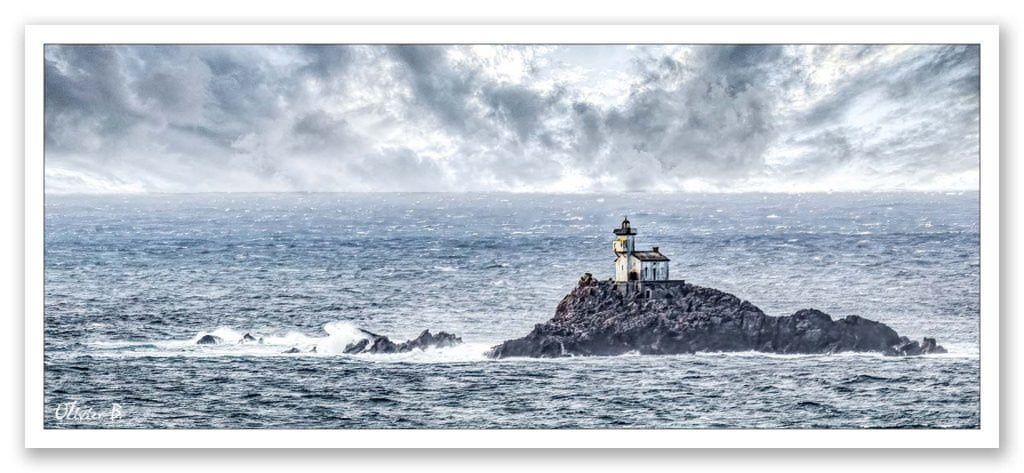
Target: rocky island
x,y
642,310
671,317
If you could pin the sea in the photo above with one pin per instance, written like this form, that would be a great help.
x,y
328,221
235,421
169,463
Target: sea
x,y
133,281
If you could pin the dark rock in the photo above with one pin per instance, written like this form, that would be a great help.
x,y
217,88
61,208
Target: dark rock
x,y
427,340
380,344
929,345
209,340
292,350
906,347
357,347
248,338
605,318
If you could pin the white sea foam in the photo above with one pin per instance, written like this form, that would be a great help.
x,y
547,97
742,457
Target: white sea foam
x,y
954,351
462,353
340,334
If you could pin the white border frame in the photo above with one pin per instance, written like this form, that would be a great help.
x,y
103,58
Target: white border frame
x,y
987,436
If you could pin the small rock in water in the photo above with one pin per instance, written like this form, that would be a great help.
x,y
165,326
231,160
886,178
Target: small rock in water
x,y
428,340
381,344
209,340
906,347
248,338
929,345
292,350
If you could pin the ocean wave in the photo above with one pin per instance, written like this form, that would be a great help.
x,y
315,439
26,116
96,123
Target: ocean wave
x,y
340,334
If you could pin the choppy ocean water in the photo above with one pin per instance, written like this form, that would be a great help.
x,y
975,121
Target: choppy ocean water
x,y
132,281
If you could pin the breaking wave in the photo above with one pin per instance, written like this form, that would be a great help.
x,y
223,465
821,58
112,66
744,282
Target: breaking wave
x,y
341,334
276,343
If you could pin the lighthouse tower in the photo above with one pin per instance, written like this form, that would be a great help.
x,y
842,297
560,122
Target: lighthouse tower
x,y
623,247
633,265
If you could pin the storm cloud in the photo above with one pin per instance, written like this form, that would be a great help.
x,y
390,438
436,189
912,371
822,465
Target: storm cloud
x,y
602,118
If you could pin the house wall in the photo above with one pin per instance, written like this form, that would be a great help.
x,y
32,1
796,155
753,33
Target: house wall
x,y
634,265
654,271
625,264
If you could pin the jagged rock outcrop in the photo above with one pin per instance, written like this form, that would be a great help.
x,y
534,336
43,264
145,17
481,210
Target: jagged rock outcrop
x,y
669,317
906,347
375,343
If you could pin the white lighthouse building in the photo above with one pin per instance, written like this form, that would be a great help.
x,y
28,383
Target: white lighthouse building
x,y
634,265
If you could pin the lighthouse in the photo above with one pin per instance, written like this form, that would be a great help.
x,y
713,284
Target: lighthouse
x,y
633,265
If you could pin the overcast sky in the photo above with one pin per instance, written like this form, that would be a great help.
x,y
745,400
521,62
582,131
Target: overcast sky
x,y
511,118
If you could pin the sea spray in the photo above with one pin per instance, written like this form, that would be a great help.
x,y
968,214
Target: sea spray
x,y
340,336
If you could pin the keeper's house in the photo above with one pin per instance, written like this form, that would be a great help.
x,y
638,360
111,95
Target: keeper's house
x,y
634,265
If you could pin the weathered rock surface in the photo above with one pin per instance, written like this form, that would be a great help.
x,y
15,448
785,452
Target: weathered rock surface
x,y
209,340
906,347
380,344
670,317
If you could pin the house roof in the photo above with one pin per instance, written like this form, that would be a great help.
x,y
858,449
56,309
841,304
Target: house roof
x,y
650,256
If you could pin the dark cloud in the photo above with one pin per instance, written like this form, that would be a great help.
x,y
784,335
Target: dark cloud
x,y
317,130
922,121
326,62
425,117
85,97
437,88
711,118
517,108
